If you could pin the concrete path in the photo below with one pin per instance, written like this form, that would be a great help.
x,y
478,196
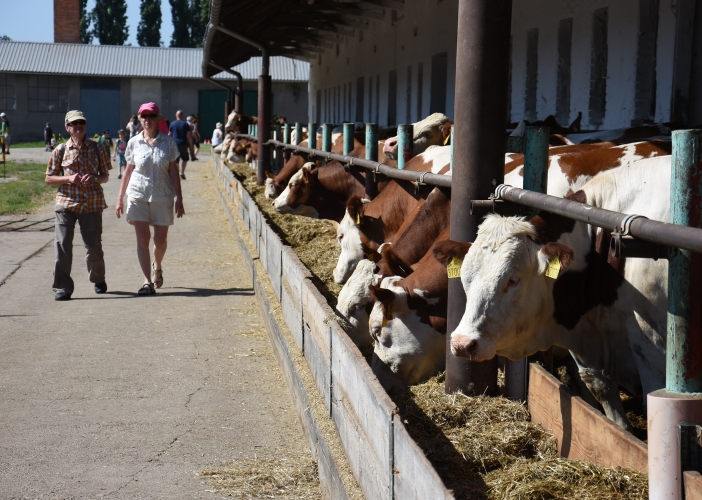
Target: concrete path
x,y
124,397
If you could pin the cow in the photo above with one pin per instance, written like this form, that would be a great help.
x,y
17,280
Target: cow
x,y
552,281
237,122
367,224
434,130
622,135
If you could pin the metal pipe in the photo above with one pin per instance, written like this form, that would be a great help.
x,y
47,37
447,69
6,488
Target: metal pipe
x,y
287,133
312,135
663,233
348,138
298,133
226,87
264,127
239,94
482,58
684,349
276,151
404,145
451,151
371,155
326,138
265,60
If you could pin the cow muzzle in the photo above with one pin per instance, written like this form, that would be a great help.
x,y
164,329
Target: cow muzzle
x,y
463,347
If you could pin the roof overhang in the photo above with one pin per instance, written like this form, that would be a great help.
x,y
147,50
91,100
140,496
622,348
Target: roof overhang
x,y
298,29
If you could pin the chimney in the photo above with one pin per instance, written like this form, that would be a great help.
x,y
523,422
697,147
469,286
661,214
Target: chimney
x,y
66,21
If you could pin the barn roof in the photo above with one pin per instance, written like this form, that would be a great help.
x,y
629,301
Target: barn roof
x,y
295,28
127,61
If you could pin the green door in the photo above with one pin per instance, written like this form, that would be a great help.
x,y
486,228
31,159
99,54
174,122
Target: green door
x,y
251,103
210,111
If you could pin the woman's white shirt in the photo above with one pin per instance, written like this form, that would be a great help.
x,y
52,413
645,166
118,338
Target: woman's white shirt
x,y
216,137
150,180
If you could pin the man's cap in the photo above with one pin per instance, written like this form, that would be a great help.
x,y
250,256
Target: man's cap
x,y
3,114
149,107
105,131
74,115
219,125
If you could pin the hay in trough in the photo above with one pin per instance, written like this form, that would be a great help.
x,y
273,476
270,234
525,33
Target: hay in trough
x,y
485,447
314,240
281,478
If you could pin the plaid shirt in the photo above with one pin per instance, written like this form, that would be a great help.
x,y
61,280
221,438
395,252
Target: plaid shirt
x,y
91,158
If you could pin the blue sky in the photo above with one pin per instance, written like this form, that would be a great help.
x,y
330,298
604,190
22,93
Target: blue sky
x,y
33,20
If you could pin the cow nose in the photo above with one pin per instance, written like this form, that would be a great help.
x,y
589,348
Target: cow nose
x,y
390,144
463,347
375,331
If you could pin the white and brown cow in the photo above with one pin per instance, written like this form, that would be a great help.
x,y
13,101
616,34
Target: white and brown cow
x,y
434,130
609,313
237,122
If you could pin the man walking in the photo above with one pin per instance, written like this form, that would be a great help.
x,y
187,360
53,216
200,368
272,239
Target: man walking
x,y
5,131
78,167
180,131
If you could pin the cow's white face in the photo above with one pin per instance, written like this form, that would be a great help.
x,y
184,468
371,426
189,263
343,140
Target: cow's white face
x,y
353,300
507,292
282,203
349,237
410,349
231,121
425,133
270,189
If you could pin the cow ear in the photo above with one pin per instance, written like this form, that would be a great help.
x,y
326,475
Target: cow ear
x,y
381,295
270,175
354,207
445,251
446,132
555,258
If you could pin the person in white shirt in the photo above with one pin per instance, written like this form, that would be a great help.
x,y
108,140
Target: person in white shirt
x,y
217,135
151,182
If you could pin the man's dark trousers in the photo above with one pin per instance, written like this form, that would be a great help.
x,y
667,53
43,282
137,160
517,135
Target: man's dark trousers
x,y
91,231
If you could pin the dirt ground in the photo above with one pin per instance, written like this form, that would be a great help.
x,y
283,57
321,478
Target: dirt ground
x,y
123,397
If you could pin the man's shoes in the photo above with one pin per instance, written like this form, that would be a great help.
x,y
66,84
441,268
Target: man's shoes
x,y
182,176
119,176
62,296
100,287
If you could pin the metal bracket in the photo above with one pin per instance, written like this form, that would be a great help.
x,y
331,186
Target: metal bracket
x,y
347,166
624,245
419,182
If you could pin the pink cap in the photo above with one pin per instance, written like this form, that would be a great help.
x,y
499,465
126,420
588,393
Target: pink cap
x,y
149,107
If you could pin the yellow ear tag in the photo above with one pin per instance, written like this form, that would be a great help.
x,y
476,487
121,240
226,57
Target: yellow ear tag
x,y
358,219
371,258
446,141
454,268
554,267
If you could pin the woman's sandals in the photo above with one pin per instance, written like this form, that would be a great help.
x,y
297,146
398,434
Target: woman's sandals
x,y
157,275
146,289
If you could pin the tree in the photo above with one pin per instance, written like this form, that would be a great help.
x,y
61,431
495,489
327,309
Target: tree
x,y
149,29
109,19
189,22
86,36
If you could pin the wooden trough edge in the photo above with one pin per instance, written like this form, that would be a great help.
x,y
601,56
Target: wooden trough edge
x,y
583,433
330,476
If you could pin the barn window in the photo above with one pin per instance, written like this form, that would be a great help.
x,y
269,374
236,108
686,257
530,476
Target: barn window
x,y
47,93
392,98
598,67
8,92
439,77
565,40
408,116
532,74
420,85
645,95
359,99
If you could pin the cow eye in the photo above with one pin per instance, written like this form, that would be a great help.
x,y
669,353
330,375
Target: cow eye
x,y
340,237
512,282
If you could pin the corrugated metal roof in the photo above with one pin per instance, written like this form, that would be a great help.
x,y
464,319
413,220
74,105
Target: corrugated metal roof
x,y
126,61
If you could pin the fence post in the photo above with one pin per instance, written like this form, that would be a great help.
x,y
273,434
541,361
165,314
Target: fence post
x,y
277,151
312,135
681,400
372,155
326,138
298,133
348,138
451,151
287,133
404,144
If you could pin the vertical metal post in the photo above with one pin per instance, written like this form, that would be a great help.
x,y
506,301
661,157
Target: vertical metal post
x,y
312,135
535,179
684,350
326,138
250,129
298,133
227,110
277,152
451,150
264,124
404,144
255,130
482,58
287,133
239,100
372,155
348,137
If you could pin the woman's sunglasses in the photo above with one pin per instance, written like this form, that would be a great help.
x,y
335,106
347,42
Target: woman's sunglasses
x,y
149,116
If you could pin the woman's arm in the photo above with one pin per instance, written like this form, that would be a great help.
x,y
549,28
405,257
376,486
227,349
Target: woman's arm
x,y
119,207
175,179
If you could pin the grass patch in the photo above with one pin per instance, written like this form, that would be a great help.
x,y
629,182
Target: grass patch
x,y
29,144
28,192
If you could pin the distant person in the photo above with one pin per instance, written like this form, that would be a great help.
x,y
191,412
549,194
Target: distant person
x,y
217,135
282,120
78,167
106,141
183,137
133,127
48,135
120,148
5,132
194,128
151,183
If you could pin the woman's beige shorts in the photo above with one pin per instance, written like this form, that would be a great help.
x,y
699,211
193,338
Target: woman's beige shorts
x,y
155,213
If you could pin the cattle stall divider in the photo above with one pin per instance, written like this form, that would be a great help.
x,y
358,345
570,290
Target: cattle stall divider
x,y
384,459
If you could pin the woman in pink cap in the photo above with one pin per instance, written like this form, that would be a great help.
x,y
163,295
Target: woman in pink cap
x,y
151,182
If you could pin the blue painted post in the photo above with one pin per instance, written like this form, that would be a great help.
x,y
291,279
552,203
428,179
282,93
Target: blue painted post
x,y
404,144
250,129
535,179
312,135
287,133
451,154
348,138
255,130
684,350
277,151
326,138
372,155
298,133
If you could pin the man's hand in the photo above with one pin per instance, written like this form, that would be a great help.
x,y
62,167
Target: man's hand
x,y
74,179
87,180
